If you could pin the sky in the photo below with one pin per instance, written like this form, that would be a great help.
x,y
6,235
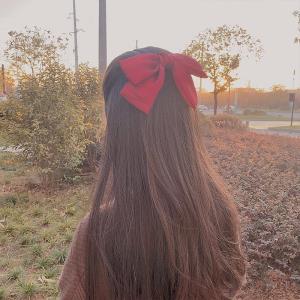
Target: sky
x,y
169,24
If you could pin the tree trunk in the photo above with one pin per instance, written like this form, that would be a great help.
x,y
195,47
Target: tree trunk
x,y
215,103
229,98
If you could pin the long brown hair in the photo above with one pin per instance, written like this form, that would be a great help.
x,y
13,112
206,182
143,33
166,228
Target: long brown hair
x,y
162,225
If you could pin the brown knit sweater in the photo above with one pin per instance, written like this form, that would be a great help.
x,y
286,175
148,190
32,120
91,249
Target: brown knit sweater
x,y
72,279
71,282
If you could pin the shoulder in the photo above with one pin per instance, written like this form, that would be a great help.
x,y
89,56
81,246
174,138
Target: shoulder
x,y
72,279
77,248
72,276
80,235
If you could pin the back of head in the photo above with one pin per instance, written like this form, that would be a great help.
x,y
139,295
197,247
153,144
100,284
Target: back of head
x,y
162,225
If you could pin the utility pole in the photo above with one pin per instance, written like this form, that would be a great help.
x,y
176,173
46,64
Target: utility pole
x,y
3,80
75,36
136,44
102,37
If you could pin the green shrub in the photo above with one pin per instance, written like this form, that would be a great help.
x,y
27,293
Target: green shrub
x,y
89,90
205,124
227,121
54,117
256,112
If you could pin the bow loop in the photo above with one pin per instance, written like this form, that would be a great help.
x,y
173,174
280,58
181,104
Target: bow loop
x,y
146,76
166,59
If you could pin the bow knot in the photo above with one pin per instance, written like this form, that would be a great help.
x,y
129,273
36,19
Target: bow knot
x,y
146,75
166,59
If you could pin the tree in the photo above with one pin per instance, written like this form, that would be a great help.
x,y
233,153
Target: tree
x,y
278,88
9,82
88,90
57,115
297,15
31,50
50,128
220,52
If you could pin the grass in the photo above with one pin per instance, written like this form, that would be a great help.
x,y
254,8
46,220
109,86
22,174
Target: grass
x,y
36,227
295,128
28,289
262,117
14,274
2,293
3,141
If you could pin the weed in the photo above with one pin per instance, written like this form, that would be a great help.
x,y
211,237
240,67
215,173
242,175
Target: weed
x,y
44,263
36,250
59,256
51,272
27,239
14,274
4,263
28,289
2,294
10,230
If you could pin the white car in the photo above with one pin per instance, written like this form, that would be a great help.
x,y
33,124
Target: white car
x,y
202,107
3,97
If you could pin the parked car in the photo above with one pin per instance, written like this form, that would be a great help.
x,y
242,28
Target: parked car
x,y
202,107
231,108
3,97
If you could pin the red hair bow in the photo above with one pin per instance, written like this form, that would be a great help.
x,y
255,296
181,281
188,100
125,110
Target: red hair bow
x,y
146,76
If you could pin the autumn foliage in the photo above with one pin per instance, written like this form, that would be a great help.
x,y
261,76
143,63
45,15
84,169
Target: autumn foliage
x,y
54,115
263,173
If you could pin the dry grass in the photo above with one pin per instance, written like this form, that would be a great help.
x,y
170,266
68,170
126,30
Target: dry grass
x,y
36,228
263,173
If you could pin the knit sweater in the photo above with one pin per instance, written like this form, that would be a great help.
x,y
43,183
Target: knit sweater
x,y
71,282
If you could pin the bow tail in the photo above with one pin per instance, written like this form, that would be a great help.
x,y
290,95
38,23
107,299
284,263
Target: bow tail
x,y
185,85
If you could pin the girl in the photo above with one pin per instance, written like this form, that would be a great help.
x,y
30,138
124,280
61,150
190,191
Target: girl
x,y
162,225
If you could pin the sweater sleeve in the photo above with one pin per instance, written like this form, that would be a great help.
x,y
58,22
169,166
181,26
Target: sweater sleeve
x,y
71,282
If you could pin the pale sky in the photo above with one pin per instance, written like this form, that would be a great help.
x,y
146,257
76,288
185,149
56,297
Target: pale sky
x,y
169,24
